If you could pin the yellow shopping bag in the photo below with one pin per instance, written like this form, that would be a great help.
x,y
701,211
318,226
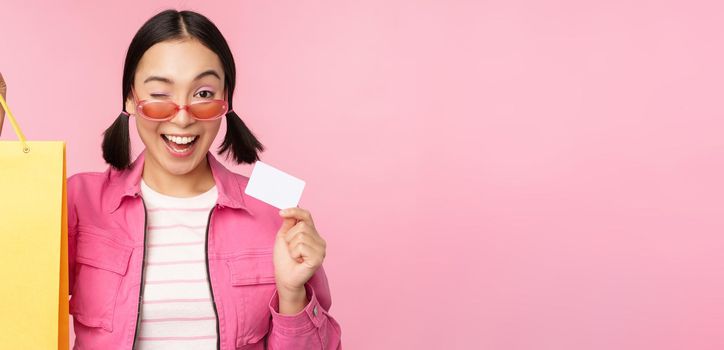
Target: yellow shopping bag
x,y
33,243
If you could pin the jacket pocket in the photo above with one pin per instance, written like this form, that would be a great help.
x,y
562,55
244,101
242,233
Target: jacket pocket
x,y
252,281
101,264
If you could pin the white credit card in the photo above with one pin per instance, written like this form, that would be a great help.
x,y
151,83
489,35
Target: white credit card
x,y
273,186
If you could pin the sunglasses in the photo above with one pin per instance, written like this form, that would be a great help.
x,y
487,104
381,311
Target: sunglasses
x,y
163,110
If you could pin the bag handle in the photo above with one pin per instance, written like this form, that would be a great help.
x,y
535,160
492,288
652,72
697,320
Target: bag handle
x,y
14,123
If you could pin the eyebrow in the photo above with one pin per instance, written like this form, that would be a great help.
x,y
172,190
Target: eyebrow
x,y
169,81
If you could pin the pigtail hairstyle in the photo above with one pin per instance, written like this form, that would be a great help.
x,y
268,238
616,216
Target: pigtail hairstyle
x,y
117,143
239,142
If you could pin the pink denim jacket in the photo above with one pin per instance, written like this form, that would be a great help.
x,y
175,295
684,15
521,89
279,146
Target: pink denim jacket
x,y
106,231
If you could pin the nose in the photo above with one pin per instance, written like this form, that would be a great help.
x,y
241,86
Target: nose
x,y
183,117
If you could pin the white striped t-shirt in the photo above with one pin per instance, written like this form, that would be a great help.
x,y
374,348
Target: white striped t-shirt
x,y
177,311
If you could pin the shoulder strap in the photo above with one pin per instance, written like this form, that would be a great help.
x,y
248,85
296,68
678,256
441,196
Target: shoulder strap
x,y
21,137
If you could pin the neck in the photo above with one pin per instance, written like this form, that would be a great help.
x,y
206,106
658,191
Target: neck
x,y
193,183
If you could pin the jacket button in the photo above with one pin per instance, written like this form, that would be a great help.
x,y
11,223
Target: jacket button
x,y
315,310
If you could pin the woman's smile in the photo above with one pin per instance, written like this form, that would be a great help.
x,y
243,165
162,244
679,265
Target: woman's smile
x,y
180,145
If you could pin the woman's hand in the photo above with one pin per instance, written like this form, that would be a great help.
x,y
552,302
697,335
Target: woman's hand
x,y
3,91
298,252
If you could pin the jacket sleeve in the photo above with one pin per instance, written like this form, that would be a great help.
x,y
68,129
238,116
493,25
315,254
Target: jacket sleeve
x,y
72,232
311,328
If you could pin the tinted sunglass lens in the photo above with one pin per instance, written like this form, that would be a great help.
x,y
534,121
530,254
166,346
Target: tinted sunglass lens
x,y
158,109
207,110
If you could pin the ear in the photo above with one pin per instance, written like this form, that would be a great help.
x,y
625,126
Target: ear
x,y
130,106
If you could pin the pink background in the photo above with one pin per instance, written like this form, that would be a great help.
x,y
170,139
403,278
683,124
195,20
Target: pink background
x,y
488,174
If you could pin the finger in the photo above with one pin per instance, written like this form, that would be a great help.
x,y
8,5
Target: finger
x,y
306,238
299,214
287,224
303,252
293,232
297,252
301,228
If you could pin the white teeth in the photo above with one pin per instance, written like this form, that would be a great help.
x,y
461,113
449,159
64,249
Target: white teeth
x,y
180,140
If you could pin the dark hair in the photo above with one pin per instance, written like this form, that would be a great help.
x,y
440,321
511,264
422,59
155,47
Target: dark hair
x,y
171,24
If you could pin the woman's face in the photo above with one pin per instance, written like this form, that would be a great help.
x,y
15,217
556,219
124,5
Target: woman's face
x,y
171,70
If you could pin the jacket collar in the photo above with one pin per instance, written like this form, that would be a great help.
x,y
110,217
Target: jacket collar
x,y
127,183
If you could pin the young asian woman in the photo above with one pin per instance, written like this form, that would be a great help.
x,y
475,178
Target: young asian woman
x,y
166,251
